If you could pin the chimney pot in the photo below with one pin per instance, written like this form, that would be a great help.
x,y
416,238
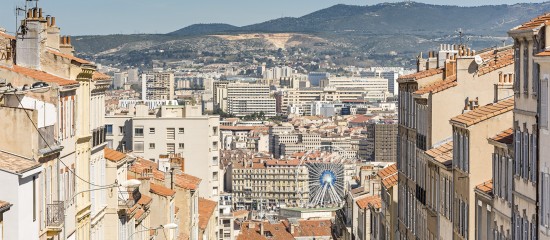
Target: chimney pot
x,y
48,21
53,21
40,13
69,40
29,14
34,13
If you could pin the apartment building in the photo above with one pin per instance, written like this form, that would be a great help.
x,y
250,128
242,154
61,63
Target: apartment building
x,y
241,99
173,130
157,86
446,85
530,199
380,144
267,184
367,84
303,96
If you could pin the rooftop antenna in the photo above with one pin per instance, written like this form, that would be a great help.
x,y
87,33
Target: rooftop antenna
x,y
460,35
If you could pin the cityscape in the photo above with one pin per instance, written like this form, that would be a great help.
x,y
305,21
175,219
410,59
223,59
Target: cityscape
x,y
395,120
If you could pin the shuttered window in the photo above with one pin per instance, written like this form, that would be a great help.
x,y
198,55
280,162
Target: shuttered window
x,y
544,103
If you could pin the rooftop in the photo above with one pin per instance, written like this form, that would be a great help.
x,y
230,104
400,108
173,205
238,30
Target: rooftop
x,y
483,113
506,136
100,76
365,201
187,181
438,86
421,74
4,206
161,190
534,23
67,56
40,75
16,164
389,176
206,209
486,187
113,155
496,59
442,154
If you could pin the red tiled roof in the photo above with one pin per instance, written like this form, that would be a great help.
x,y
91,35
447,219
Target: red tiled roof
x,y
485,112
16,164
100,76
161,190
496,60
506,136
421,74
8,36
486,187
70,57
240,213
365,201
187,181
442,154
312,228
206,209
113,155
40,75
144,200
360,119
388,175
438,86
544,54
535,22
277,230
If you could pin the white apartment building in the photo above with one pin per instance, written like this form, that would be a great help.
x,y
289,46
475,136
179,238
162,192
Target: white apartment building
x,y
173,129
243,99
367,84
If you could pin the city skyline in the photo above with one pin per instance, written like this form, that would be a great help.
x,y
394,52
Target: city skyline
x,y
167,16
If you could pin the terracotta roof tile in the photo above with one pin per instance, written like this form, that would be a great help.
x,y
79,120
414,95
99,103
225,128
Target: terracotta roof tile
x,y
366,200
100,76
421,74
40,75
534,23
206,209
486,187
144,200
442,154
16,164
313,228
113,155
485,112
8,36
388,171
544,54
438,86
139,213
277,230
161,190
240,213
187,181
506,136
496,60
70,57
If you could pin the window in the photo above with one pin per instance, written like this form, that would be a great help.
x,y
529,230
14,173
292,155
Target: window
x,y
151,130
181,145
525,69
214,160
171,148
170,134
138,146
138,132
121,130
151,146
215,145
109,129
181,130
215,176
215,131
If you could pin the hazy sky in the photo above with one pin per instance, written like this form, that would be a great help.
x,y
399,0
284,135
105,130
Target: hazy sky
x,y
78,17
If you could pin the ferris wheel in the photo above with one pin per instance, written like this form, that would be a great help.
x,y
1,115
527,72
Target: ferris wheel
x,y
326,177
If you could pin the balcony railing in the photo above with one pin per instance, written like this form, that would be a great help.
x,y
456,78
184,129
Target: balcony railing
x,y
55,214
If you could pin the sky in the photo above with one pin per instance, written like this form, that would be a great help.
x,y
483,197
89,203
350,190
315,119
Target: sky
x,y
101,17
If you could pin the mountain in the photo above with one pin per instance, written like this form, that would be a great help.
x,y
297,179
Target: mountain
x,y
204,29
387,33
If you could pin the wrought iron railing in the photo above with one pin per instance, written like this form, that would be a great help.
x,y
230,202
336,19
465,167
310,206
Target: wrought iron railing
x,y
55,214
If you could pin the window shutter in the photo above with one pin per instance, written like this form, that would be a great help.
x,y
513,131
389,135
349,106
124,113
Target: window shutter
x,y
509,182
466,153
535,71
534,157
517,151
525,152
525,69
517,66
495,175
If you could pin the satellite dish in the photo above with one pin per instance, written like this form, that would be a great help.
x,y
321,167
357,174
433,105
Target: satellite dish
x,y
478,60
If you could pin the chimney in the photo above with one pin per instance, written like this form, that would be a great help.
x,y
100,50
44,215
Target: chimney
x,y
169,179
292,228
53,34
145,185
29,46
66,47
262,228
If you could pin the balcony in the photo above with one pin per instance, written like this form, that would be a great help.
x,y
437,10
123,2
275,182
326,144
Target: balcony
x,y
55,216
